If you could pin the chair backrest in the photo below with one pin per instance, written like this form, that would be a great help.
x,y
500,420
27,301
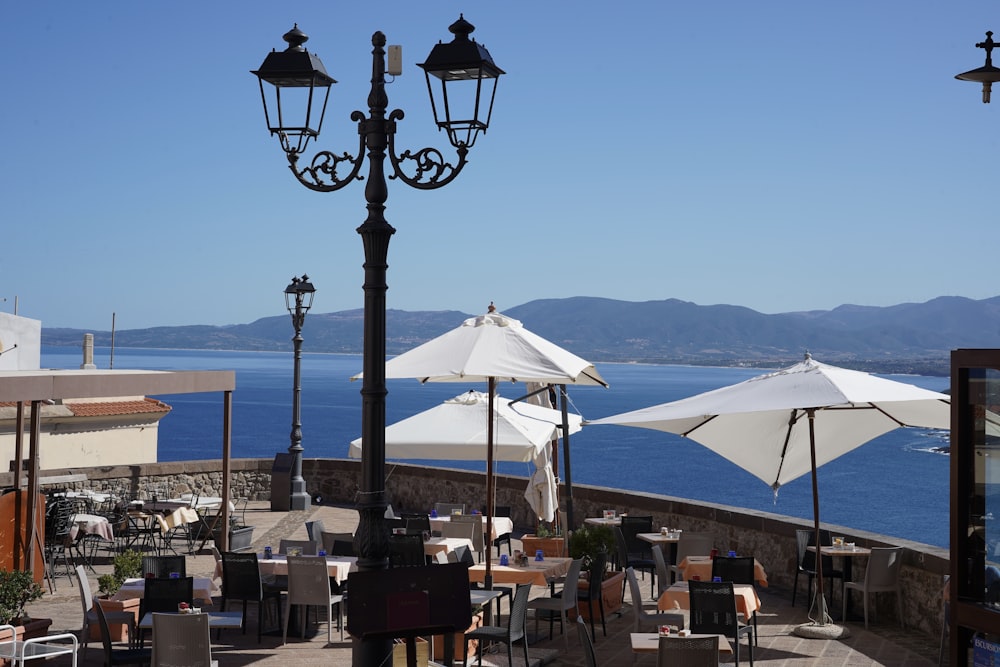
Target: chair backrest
x,y
338,544
477,521
308,580
589,655
406,551
164,594
459,529
688,651
662,572
161,566
315,529
417,524
86,597
445,509
102,621
597,566
307,547
502,510
806,537
570,588
637,608
694,544
713,608
737,569
633,525
517,620
181,639
883,567
621,549
392,523
461,554
241,576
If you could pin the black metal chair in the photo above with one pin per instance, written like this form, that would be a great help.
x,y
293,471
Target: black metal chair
x,y
162,566
688,651
163,595
592,593
805,538
119,656
513,633
713,612
738,570
241,582
627,560
640,555
315,529
417,524
406,551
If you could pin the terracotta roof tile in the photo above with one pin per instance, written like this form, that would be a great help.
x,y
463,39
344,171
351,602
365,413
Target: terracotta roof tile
x,y
109,408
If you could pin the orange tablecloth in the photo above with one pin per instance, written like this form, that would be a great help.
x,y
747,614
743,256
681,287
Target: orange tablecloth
x,y
701,566
501,525
677,597
536,573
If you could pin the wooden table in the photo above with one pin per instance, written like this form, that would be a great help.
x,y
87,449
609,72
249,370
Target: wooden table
x,y
338,566
677,597
649,642
204,588
536,573
701,567
659,538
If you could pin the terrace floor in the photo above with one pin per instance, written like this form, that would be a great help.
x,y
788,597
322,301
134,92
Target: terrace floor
x,y
777,646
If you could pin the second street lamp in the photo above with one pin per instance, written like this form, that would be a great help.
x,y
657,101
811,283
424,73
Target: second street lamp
x,y
298,300
301,77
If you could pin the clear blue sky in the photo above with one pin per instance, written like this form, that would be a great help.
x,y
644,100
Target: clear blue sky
x,y
781,155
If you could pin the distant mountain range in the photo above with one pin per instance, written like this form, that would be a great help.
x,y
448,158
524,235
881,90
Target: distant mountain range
x,y
909,337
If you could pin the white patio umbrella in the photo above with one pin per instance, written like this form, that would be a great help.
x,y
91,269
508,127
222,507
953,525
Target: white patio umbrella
x,y
456,430
488,348
781,425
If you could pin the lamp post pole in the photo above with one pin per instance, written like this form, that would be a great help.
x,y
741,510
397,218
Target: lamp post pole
x,y
462,60
296,295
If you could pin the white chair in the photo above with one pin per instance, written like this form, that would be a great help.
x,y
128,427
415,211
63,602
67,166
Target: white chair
x,y
691,544
90,619
181,639
560,604
308,586
646,621
478,543
662,571
881,576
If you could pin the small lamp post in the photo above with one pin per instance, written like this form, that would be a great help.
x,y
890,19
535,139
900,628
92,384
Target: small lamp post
x,y
987,74
297,78
298,300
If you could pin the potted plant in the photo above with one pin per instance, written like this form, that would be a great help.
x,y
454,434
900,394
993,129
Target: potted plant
x,y
595,545
127,565
17,589
547,538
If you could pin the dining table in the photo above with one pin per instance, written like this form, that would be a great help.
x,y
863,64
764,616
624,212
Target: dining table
x,y
536,572
701,567
338,566
204,589
501,524
217,620
660,538
676,596
603,520
649,642
91,524
436,545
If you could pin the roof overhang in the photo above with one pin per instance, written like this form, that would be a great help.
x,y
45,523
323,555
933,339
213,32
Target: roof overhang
x,y
43,385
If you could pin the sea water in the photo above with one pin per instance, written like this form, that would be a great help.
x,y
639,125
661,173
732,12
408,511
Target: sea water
x,y
896,484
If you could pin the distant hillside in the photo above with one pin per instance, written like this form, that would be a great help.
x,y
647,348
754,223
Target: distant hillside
x,y
910,337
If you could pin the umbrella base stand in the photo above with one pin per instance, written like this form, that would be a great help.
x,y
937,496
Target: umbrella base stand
x,y
824,629
821,631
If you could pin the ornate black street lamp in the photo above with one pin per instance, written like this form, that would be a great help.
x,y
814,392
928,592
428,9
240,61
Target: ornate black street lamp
x,y
298,77
298,300
987,74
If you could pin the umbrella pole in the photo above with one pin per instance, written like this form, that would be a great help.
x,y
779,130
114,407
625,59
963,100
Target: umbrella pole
x,y
490,484
566,466
825,628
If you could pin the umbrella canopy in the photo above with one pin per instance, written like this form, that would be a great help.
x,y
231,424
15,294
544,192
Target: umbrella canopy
x,y
489,348
761,425
455,430
781,425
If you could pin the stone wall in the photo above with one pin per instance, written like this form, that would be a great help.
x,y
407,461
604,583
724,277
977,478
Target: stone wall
x,y
769,537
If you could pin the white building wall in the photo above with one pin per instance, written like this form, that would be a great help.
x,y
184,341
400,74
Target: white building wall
x,y
66,445
26,335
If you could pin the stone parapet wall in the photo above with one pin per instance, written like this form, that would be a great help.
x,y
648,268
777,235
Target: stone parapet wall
x,y
769,537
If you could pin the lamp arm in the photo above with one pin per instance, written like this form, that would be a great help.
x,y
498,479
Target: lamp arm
x,y
321,174
430,170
